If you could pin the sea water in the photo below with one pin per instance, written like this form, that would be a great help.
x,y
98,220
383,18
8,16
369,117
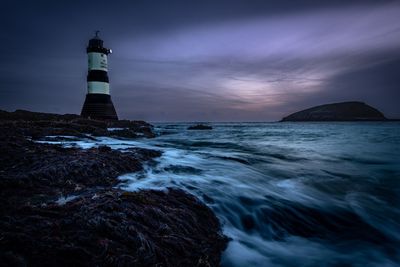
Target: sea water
x,y
287,194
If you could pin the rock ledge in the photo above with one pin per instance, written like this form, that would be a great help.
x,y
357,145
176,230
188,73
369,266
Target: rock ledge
x,y
62,206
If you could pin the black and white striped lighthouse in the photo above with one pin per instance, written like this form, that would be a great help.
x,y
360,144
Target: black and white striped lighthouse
x,y
98,104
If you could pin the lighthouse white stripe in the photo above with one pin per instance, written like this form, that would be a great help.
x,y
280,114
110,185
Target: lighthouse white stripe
x,y
98,88
97,61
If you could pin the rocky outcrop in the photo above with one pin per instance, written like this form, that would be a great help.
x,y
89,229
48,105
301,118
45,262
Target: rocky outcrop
x,y
113,228
28,168
62,206
345,111
39,125
200,127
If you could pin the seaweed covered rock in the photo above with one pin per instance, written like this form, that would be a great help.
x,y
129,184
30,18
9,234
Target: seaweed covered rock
x,y
61,206
114,228
39,125
30,169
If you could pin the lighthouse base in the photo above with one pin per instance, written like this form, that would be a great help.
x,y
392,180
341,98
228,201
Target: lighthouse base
x,y
99,107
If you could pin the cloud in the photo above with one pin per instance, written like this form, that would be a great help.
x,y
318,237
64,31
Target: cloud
x,y
310,34
260,65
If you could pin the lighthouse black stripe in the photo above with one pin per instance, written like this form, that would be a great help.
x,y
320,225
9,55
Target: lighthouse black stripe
x,y
97,49
97,76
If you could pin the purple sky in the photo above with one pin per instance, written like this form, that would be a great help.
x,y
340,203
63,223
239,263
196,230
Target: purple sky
x,y
203,61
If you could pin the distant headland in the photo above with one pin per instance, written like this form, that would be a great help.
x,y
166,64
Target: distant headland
x,y
344,111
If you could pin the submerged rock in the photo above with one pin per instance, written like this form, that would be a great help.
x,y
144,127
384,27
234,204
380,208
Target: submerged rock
x,y
345,111
200,127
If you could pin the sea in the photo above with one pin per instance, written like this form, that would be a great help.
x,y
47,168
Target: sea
x,y
286,194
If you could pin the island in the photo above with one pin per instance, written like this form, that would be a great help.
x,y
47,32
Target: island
x,y
62,206
344,111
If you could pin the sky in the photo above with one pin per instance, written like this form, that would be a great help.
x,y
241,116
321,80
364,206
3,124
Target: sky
x,y
226,60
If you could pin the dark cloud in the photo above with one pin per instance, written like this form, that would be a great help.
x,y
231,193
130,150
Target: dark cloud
x,y
202,60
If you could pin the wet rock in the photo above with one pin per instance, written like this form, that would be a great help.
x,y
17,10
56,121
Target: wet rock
x,y
104,149
60,206
39,125
126,133
200,127
142,127
28,167
34,116
116,228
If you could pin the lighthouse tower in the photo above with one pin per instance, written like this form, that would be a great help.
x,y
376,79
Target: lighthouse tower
x,y
98,104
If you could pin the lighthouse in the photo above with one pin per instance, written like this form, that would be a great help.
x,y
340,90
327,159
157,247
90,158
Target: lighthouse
x,y
98,104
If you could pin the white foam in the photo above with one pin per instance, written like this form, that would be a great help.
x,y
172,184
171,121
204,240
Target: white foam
x,y
63,200
115,129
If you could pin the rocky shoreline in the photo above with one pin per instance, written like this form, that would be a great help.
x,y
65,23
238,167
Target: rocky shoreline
x,y
62,207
